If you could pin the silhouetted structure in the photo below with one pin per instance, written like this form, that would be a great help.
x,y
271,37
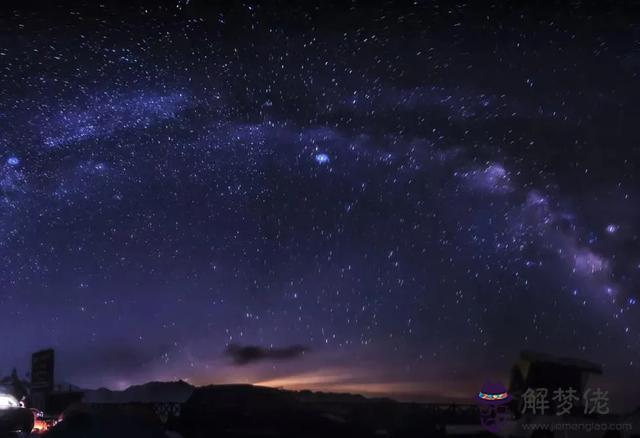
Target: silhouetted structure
x,y
540,370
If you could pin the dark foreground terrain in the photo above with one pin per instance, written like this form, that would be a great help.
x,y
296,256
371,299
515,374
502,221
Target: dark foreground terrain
x,y
249,411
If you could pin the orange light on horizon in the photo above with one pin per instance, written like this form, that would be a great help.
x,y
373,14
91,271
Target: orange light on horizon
x,y
343,381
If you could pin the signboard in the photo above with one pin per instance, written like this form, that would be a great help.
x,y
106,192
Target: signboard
x,y
42,364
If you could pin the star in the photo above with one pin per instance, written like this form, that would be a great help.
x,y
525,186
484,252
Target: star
x,y
612,228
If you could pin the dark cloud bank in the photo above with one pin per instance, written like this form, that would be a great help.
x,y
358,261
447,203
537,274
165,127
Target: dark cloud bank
x,y
247,354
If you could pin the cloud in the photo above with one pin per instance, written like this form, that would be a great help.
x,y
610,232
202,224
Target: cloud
x,y
244,355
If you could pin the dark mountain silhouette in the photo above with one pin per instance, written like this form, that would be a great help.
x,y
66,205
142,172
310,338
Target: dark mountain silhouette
x,y
152,392
241,411
252,411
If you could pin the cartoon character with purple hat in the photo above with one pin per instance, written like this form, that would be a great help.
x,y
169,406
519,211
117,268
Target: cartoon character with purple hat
x,y
492,402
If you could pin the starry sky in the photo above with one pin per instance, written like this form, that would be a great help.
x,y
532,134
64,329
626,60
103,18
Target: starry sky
x,y
366,197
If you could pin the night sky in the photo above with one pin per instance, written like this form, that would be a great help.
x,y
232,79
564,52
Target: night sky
x,y
379,199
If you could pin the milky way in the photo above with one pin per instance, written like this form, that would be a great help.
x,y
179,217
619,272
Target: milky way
x,y
410,195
